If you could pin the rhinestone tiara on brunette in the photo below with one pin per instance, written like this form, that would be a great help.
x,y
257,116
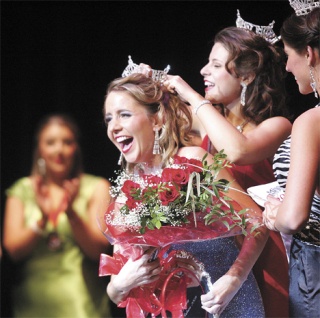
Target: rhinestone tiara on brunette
x,y
303,7
133,68
264,31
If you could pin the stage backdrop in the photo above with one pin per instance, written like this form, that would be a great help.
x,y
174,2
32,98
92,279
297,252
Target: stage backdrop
x,y
60,56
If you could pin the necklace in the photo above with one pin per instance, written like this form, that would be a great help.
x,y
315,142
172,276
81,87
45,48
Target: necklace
x,y
241,126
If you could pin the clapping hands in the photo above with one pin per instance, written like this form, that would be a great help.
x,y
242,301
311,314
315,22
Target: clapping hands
x,y
45,203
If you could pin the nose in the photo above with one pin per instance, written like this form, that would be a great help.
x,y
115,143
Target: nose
x,y
287,67
204,70
114,125
58,147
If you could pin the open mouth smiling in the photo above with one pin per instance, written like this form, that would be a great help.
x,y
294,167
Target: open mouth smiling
x,y
125,142
208,84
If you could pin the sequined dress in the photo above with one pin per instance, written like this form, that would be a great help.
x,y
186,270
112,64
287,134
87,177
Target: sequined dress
x,y
217,256
271,268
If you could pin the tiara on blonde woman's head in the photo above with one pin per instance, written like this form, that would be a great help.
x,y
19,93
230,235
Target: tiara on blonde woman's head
x,y
133,68
264,31
303,7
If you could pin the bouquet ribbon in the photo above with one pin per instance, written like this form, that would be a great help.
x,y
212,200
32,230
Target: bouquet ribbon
x,y
166,294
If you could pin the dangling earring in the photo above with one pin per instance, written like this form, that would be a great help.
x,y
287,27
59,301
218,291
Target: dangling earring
x,y
313,83
156,145
120,159
243,94
42,167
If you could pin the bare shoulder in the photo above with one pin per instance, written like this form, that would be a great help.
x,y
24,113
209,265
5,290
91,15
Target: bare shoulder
x,y
192,152
277,121
102,187
103,183
278,127
309,117
308,122
307,126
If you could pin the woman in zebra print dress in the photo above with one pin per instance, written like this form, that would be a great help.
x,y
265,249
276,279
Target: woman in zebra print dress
x,y
296,167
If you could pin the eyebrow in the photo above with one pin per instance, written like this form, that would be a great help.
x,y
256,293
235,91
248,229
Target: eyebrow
x,y
215,60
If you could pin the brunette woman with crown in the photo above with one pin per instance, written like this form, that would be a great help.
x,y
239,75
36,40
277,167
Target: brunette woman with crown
x,y
297,165
245,75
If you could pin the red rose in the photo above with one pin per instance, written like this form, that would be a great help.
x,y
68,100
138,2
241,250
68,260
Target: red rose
x,y
132,203
129,188
178,176
169,195
189,163
195,165
179,160
152,179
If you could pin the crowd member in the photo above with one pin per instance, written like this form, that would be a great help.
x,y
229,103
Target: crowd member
x,y
245,78
51,232
296,166
136,108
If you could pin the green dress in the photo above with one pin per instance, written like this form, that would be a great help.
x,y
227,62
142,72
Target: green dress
x,y
62,283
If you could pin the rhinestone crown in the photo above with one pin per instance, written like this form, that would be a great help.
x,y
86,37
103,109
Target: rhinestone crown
x,y
135,68
265,31
303,7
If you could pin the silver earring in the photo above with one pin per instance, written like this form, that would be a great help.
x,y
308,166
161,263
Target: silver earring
x,y
42,166
243,94
120,159
156,145
313,83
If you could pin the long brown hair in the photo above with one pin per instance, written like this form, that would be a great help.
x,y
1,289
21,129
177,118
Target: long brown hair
x,y
63,120
250,54
302,31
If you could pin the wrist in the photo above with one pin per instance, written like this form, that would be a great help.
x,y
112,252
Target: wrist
x,y
199,105
38,228
116,294
239,271
42,222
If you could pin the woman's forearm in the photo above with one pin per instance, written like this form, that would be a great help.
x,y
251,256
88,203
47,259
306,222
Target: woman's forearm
x,y
251,249
116,294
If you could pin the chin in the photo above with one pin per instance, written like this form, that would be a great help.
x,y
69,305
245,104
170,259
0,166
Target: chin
x,y
305,91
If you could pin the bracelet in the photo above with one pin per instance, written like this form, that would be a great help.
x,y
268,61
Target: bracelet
x,y
201,104
37,229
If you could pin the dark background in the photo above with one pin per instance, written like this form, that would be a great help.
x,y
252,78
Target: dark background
x,y
60,56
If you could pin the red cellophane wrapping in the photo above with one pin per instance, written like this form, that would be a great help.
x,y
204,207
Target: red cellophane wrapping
x,y
169,292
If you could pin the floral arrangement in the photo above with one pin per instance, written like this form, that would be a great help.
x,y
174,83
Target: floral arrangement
x,y
174,196
157,207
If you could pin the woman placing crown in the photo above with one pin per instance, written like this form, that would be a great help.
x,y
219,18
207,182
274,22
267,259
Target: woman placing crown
x,y
299,213
245,75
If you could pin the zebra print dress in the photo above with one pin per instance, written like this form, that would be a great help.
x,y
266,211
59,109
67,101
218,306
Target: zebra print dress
x,y
281,163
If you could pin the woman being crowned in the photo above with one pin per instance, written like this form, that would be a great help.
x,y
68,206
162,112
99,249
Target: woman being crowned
x,y
151,128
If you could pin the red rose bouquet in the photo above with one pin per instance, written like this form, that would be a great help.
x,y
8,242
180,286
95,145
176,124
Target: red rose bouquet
x,y
182,202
